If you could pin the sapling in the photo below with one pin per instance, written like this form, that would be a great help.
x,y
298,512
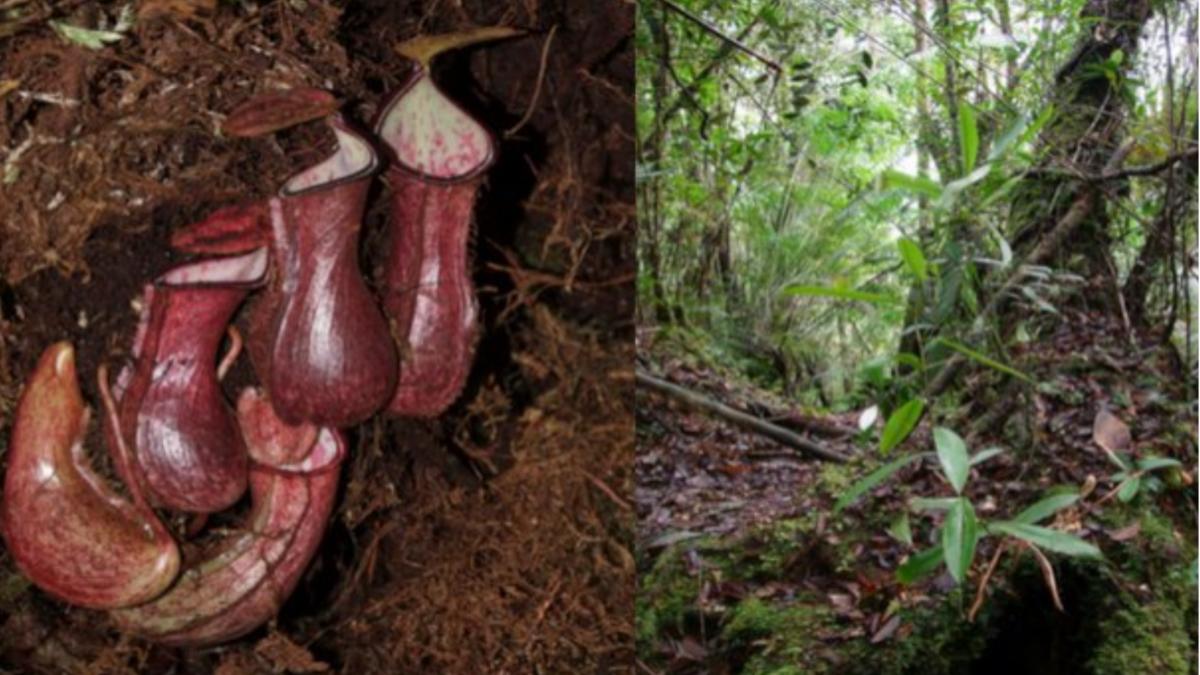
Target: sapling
x,y
961,529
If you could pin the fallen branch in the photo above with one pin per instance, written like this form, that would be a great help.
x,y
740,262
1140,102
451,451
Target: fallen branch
x,y
748,422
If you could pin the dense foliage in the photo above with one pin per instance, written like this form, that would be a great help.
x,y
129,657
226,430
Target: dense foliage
x,y
831,194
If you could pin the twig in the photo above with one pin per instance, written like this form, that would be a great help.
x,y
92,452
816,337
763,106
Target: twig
x,y
987,576
1111,174
712,30
537,88
603,487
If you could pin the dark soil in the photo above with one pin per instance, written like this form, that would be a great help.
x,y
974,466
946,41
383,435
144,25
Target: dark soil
x,y
496,538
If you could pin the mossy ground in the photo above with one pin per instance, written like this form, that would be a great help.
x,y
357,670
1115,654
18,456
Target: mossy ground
x,y
1134,612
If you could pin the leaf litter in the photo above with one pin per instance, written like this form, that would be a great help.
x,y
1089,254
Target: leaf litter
x,y
700,490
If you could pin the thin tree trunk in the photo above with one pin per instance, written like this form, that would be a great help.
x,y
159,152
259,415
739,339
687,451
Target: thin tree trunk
x,y
652,153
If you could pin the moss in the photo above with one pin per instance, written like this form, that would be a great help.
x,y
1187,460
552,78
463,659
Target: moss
x,y
834,479
1151,638
667,594
1154,634
941,642
785,638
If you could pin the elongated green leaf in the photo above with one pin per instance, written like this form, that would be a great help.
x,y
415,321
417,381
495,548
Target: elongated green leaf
x,y
1035,127
1046,507
85,37
918,184
958,539
1005,140
950,192
933,503
919,565
968,136
900,424
837,293
952,453
1154,463
984,455
874,478
985,360
913,258
1046,538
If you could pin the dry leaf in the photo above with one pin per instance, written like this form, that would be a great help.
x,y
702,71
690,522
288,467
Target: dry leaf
x,y
287,656
1048,575
888,630
1128,532
183,9
1110,433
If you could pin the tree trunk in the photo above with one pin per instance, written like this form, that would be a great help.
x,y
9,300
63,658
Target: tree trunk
x,y
652,154
1084,136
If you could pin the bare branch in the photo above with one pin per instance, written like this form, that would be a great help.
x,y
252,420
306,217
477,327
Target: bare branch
x,y
712,30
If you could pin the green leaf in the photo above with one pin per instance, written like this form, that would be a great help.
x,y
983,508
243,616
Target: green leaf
x,y
1040,121
1129,488
910,360
959,538
874,478
985,360
900,530
918,184
1046,507
933,503
954,187
919,565
900,424
84,37
1119,460
837,292
952,453
1005,140
984,455
913,258
1046,538
968,136
1154,463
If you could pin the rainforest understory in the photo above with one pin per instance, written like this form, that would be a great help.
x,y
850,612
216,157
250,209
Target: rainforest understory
x,y
917,337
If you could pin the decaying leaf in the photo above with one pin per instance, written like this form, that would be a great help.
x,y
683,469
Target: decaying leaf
x,y
183,9
1048,575
1125,533
285,656
1110,433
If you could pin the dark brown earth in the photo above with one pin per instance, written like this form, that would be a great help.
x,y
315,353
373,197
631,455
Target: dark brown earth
x,y
495,538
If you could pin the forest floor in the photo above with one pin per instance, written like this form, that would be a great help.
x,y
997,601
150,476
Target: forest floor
x,y
746,567
494,538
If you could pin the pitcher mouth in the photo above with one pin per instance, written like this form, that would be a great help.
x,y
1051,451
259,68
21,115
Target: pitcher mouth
x,y
239,271
354,158
429,135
